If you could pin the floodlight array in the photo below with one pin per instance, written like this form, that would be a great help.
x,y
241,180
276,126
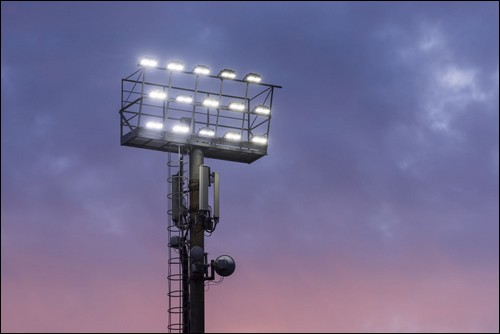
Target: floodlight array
x,y
226,115
177,66
211,103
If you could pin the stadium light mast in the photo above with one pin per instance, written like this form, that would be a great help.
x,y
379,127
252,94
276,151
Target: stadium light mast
x,y
197,114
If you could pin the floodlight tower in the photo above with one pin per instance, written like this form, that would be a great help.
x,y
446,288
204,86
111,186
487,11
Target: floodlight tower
x,y
197,114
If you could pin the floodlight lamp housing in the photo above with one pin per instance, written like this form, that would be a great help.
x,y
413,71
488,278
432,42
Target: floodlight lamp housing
x,y
206,132
236,106
148,62
158,95
232,136
260,140
175,66
154,125
201,70
252,77
180,128
211,103
227,74
262,110
184,99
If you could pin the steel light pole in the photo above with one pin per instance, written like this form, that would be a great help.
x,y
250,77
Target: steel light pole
x,y
197,114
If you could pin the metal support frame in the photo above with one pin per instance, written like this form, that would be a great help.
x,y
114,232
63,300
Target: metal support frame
x,y
138,109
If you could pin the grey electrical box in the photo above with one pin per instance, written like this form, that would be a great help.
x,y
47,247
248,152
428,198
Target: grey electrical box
x,y
216,196
203,190
175,241
177,199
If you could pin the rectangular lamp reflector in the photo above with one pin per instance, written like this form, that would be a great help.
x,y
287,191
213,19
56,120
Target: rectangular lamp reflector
x,y
154,125
180,128
234,136
227,74
252,77
184,99
262,110
211,103
148,62
202,70
175,66
236,106
259,140
158,95
206,132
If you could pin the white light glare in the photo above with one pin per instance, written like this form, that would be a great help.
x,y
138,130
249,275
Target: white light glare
x,y
253,77
154,125
175,66
259,140
237,106
211,103
206,132
227,74
148,62
180,128
235,136
200,69
158,94
263,110
184,99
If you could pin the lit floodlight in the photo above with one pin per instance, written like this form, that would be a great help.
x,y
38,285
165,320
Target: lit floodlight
x,y
206,132
201,69
175,66
154,125
184,99
158,95
211,103
236,106
259,140
227,74
262,110
148,62
252,77
234,136
180,128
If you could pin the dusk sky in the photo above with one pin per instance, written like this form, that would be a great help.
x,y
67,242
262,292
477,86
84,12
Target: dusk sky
x,y
376,209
